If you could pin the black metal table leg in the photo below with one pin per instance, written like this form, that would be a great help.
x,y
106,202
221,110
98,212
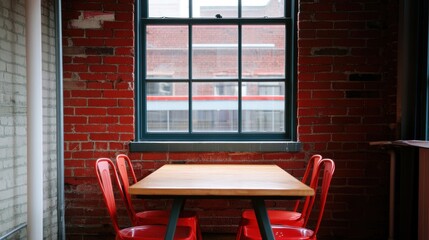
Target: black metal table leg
x,y
174,215
263,220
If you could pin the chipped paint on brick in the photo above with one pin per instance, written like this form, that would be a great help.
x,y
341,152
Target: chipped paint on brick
x,y
91,20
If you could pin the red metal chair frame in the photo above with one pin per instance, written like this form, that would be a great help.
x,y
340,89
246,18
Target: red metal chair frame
x,y
186,218
283,217
105,170
292,232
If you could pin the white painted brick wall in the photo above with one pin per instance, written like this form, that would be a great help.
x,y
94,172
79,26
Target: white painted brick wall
x,y
49,121
13,168
12,117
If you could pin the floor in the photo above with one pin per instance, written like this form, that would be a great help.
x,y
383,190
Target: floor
x,y
218,236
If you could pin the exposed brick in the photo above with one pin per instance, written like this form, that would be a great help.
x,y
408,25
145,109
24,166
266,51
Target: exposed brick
x,y
331,51
99,33
86,93
127,7
119,42
126,120
348,7
76,102
99,51
99,85
118,25
362,94
74,32
92,76
87,42
75,137
102,102
103,136
364,77
120,128
67,51
315,60
349,25
124,16
76,68
118,60
118,94
104,119
124,51
103,68
126,103
91,111
334,76
315,68
376,25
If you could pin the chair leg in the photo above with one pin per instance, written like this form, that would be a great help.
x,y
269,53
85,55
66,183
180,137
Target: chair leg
x,y
239,232
199,234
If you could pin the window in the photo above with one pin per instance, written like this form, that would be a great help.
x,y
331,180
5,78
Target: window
x,y
215,70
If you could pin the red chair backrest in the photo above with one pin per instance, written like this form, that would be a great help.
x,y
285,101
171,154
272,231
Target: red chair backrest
x,y
328,167
313,167
105,171
122,161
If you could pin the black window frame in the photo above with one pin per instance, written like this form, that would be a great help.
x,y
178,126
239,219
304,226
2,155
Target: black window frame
x,y
290,23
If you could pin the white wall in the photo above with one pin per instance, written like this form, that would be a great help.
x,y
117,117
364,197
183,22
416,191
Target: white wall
x,y
13,117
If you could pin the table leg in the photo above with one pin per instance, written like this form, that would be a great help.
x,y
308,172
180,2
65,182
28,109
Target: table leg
x,y
263,220
174,215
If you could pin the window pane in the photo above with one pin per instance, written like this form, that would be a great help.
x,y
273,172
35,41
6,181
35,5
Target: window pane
x,y
263,8
167,52
263,53
215,8
167,107
214,52
215,107
263,106
169,8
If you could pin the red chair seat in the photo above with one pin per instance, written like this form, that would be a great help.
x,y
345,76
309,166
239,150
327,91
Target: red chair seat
x,y
152,232
186,218
276,217
280,233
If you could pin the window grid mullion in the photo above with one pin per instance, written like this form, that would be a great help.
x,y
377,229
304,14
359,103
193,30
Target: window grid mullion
x,y
190,9
239,9
190,82
240,67
240,77
287,11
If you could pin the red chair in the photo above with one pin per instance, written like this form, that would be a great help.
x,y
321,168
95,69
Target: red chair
x,y
283,217
292,232
105,170
186,218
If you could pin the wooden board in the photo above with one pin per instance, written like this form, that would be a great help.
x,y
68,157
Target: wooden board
x,y
221,180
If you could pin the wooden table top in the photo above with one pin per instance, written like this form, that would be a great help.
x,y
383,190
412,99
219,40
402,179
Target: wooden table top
x,y
221,180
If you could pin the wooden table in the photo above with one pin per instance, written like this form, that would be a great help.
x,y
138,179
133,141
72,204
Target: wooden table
x,y
251,181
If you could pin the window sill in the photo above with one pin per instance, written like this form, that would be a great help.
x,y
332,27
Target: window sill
x,y
215,146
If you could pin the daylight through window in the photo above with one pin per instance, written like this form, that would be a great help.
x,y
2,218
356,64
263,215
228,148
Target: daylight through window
x,y
215,70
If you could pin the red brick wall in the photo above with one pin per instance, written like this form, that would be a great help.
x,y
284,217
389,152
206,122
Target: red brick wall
x,y
346,98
